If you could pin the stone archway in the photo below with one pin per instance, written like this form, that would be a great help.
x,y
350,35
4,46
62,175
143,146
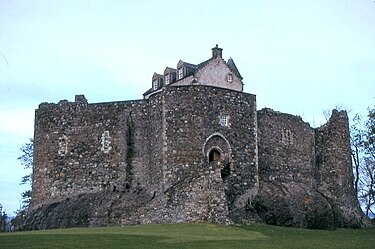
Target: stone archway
x,y
217,145
217,150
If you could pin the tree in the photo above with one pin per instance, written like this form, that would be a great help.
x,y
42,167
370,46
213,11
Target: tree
x,y
17,222
356,141
363,154
26,160
3,220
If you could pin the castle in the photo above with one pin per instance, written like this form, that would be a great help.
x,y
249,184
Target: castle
x,y
194,149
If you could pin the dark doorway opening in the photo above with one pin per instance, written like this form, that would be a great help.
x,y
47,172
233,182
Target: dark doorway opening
x,y
214,155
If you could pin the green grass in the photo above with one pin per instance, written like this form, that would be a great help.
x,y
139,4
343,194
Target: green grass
x,y
190,236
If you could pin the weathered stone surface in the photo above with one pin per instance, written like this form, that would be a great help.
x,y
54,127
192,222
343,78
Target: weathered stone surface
x,y
305,173
90,209
334,171
293,204
161,145
193,150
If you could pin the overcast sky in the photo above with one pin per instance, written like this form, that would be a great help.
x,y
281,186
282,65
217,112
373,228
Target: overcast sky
x,y
299,57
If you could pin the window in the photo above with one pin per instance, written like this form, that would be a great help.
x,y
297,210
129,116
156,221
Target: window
x,y
63,145
224,120
180,73
167,79
229,77
106,142
286,137
155,84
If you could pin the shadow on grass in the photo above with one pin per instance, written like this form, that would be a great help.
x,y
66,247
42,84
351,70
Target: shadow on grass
x,y
109,241
91,241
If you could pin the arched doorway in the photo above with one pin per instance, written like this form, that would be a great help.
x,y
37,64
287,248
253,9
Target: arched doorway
x,y
217,148
214,155
218,153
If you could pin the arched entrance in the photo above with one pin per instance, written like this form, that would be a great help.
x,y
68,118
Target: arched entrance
x,y
214,155
217,148
217,151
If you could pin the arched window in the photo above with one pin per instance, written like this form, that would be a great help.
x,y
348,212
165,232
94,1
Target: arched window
x,y
214,155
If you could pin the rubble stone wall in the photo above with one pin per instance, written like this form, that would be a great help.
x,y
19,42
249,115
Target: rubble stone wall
x,y
335,176
286,148
82,148
188,154
154,144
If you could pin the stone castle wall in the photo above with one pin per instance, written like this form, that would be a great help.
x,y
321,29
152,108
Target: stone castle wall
x,y
82,148
159,144
192,130
334,168
305,173
286,148
169,158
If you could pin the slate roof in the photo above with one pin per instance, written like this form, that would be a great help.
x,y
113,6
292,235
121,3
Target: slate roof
x,y
191,69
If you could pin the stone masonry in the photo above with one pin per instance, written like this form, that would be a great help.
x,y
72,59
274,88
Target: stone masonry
x,y
194,149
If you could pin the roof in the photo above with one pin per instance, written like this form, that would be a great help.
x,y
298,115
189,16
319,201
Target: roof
x,y
233,68
191,69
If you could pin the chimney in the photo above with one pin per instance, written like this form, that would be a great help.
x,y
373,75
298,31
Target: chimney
x,y
217,52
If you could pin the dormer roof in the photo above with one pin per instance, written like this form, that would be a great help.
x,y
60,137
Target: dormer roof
x,y
189,68
221,78
169,70
156,75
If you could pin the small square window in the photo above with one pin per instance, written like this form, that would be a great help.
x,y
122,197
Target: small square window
x,y
180,73
229,77
224,120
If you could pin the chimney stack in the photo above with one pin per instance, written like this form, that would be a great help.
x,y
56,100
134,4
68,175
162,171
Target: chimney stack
x,y
217,52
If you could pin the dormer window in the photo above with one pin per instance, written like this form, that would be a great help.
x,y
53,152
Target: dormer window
x,y
155,84
180,73
157,81
229,77
169,75
167,79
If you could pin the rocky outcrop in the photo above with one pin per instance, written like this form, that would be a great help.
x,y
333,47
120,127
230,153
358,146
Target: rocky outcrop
x,y
193,199
286,204
297,205
305,173
87,210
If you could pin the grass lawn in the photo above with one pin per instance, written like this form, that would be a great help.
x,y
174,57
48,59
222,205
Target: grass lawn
x,y
190,236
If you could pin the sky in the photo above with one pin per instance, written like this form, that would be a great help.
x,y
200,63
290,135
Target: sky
x,y
298,57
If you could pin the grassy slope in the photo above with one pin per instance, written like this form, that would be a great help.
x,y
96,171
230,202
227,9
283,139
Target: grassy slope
x,y
190,236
